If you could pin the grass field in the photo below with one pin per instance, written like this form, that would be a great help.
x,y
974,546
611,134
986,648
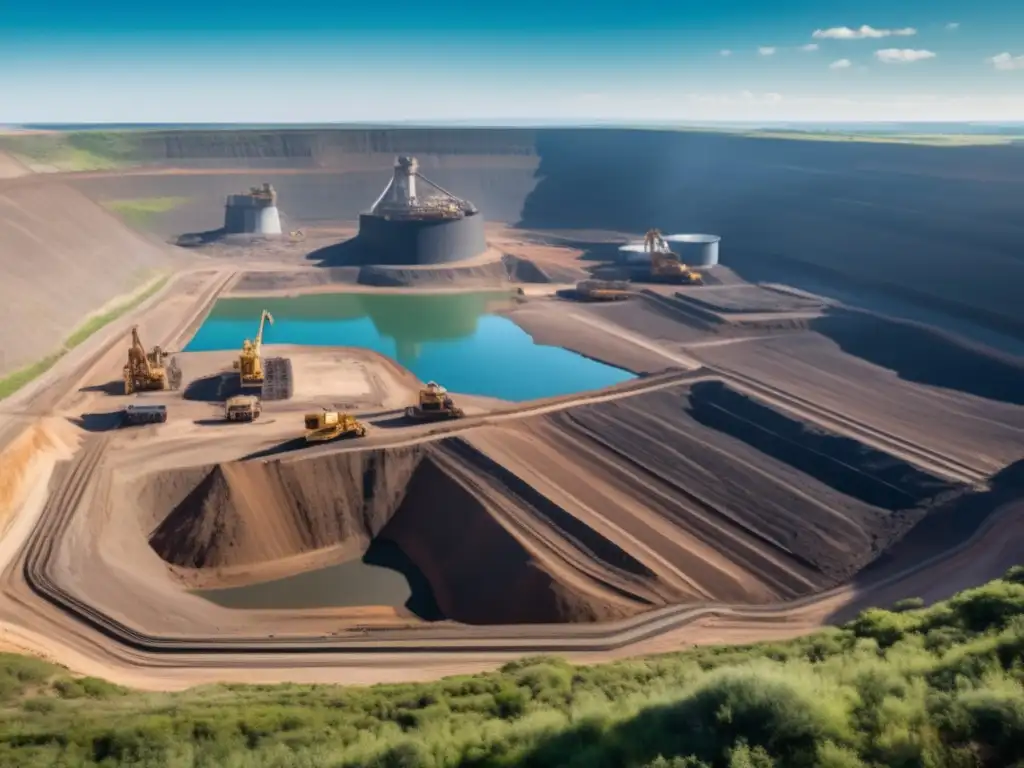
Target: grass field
x,y
15,381
911,686
140,211
76,151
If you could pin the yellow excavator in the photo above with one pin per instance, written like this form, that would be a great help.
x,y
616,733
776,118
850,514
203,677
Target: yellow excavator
x,y
665,265
325,426
434,403
145,371
250,364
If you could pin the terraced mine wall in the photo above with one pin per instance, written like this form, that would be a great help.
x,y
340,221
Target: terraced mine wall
x,y
936,224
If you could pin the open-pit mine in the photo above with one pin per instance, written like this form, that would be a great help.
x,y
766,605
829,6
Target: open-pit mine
x,y
361,436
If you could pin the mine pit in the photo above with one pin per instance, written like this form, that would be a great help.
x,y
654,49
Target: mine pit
x,y
691,493
386,513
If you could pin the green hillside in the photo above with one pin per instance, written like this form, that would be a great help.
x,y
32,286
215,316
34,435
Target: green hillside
x,y
937,686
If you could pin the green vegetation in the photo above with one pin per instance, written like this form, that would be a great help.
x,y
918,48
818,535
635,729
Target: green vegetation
x,y
921,139
140,211
75,151
15,381
938,686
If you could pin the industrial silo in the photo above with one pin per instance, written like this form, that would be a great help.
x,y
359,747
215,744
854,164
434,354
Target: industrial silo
x,y
254,213
695,250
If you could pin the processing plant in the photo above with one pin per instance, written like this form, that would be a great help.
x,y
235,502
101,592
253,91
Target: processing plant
x,y
415,221
253,213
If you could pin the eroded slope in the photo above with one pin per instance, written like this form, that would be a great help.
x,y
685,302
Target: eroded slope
x,y
61,258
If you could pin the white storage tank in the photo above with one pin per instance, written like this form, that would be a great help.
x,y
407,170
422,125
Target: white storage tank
x,y
695,250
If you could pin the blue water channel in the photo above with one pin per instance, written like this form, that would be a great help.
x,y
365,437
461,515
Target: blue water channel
x,y
454,339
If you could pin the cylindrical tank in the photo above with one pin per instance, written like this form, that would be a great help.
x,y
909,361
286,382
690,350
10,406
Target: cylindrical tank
x,y
634,253
421,241
244,215
695,250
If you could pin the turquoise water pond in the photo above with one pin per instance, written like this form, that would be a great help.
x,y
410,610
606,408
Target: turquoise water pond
x,y
453,339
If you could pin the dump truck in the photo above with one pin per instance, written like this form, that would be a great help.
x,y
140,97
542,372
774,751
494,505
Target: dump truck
x,y
134,415
603,290
434,403
325,426
243,408
250,362
144,371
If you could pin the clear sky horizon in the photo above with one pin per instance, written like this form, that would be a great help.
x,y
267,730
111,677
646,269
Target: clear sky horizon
x,y
641,61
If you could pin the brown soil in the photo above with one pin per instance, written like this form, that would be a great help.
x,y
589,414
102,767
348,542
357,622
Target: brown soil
x,y
540,520
59,269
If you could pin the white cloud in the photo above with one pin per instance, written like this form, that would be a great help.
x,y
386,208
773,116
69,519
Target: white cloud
x,y
840,64
766,50
953,25
865,31
809,47
1006,62
725,52
902,55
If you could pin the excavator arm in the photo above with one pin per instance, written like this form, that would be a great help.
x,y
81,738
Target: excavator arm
x,y
264,317
138,352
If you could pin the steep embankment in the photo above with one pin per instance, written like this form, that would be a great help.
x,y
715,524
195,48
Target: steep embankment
x,y
438,508
62,257
934,223
939,223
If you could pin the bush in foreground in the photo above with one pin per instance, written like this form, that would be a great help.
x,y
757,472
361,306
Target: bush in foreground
x,y
936,686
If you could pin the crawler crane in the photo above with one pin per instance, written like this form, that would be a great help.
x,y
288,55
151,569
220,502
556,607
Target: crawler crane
x,y
144,371
666,265
250,363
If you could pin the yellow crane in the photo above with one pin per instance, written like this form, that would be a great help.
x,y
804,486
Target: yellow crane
x,y
144,371
665,265
250,364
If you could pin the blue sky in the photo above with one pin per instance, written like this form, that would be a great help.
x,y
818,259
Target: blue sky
x,y
642,60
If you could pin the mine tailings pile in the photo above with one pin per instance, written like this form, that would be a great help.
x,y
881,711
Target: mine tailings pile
x,y
250,513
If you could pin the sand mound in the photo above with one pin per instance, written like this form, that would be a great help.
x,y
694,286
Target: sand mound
x,y
61,257
245,513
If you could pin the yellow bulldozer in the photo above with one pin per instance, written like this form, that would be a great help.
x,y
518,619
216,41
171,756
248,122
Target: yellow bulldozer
x,y
145,371
250,363
434,403
325,426
665,265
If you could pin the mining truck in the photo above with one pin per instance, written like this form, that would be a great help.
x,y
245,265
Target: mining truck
x,y
243,408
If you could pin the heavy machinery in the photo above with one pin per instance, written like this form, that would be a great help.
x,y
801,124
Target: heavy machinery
x,y
249,364
325,426
603,290
296,236
434,403
243,408
134,415
145,371
665,265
